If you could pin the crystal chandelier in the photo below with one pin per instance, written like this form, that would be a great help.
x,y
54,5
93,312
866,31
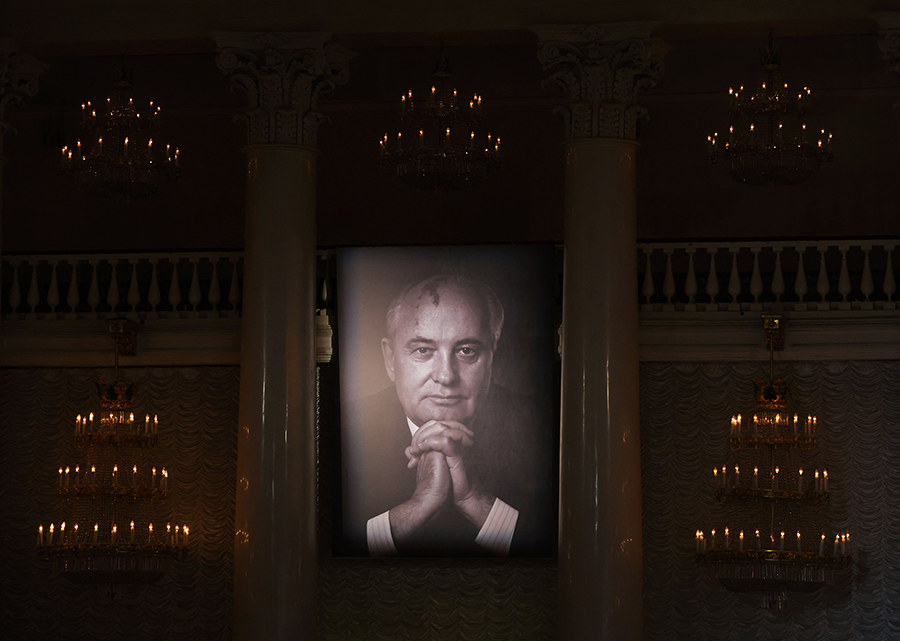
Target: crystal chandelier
x,y
119,158
113,532
775,538
439,143
770,140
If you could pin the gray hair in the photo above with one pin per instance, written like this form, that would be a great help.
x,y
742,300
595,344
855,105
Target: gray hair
x,y
480,291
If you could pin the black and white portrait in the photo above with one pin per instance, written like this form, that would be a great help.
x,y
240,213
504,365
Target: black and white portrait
x,y
448,430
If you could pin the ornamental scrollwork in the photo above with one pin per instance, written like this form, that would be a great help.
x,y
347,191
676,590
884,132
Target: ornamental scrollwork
x,y
19,74
601,75
283,83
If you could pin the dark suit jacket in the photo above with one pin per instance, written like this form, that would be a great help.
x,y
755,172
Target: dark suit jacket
x,y
513,456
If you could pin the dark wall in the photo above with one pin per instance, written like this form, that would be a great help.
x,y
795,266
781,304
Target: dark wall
x,y
680,196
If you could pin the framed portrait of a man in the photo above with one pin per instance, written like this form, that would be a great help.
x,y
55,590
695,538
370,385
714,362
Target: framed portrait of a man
x,y
448,401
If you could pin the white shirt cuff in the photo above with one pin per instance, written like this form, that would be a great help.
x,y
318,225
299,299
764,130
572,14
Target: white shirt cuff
x,y
378,535
497,532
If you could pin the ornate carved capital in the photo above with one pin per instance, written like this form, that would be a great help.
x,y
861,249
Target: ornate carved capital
x,y
889,43
18,79
601,68
283,75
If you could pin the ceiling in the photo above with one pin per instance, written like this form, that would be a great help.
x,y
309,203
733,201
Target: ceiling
x,y
63,27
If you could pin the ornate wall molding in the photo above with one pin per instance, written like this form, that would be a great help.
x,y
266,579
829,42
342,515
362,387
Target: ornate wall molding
x,y
19,74
601,68
284,75
889,43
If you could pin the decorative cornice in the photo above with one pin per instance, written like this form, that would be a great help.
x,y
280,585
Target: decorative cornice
x,y
284,75
18,79
889,43
601,68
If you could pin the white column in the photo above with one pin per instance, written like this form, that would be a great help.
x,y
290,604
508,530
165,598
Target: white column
x,y
18,80
275,520
600,68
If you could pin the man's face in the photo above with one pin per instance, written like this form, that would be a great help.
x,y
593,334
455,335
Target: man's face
x,y
441,355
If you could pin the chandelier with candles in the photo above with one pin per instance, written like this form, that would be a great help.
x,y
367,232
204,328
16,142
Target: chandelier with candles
x,y
113,532
770,140
774,538
440,143
120,155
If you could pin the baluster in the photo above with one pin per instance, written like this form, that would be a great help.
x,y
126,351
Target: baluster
x,y
112,296
134,292
844,286
734,281
890,284
778,276
823,285
690,283
174,289
53,292
669,280
94,291
800,287
15,299
866,285
194,291
214,295
647,288
73,297
712,281
756,284
153,297
34,296
234,292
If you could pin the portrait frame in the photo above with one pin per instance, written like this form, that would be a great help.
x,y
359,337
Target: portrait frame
x,y
524,385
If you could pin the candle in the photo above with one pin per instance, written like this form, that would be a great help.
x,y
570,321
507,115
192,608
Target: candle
x,y
816,483
800,480
799,546
60,478
702,542
737,475
155,423
176,156
755,425
795,423
724,478
776,479
848,543
75,535
741,541
165,479
67,476
824,480
131,418
755,477
752,134
126,146
147,420
712,539
77,476
40,541
149,532
758,542
399,143
150,146
52,525
100,144
472,140
716,476
93,475
134,476
115,474
131,537
837,539
168,534
96,530
153,479
822,546
731,136
696,541
727,539
843,545
176,536
808,423
186,531
168,153
77,423
92,421
781,544
112,537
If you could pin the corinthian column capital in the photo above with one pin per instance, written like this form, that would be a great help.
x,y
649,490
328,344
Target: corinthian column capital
x,y
601,68
284,76
889,43
18,79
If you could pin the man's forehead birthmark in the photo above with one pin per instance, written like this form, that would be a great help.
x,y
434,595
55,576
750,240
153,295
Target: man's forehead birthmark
x,y
434,290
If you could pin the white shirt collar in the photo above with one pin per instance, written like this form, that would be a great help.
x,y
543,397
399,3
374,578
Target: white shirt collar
x,y
413,428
